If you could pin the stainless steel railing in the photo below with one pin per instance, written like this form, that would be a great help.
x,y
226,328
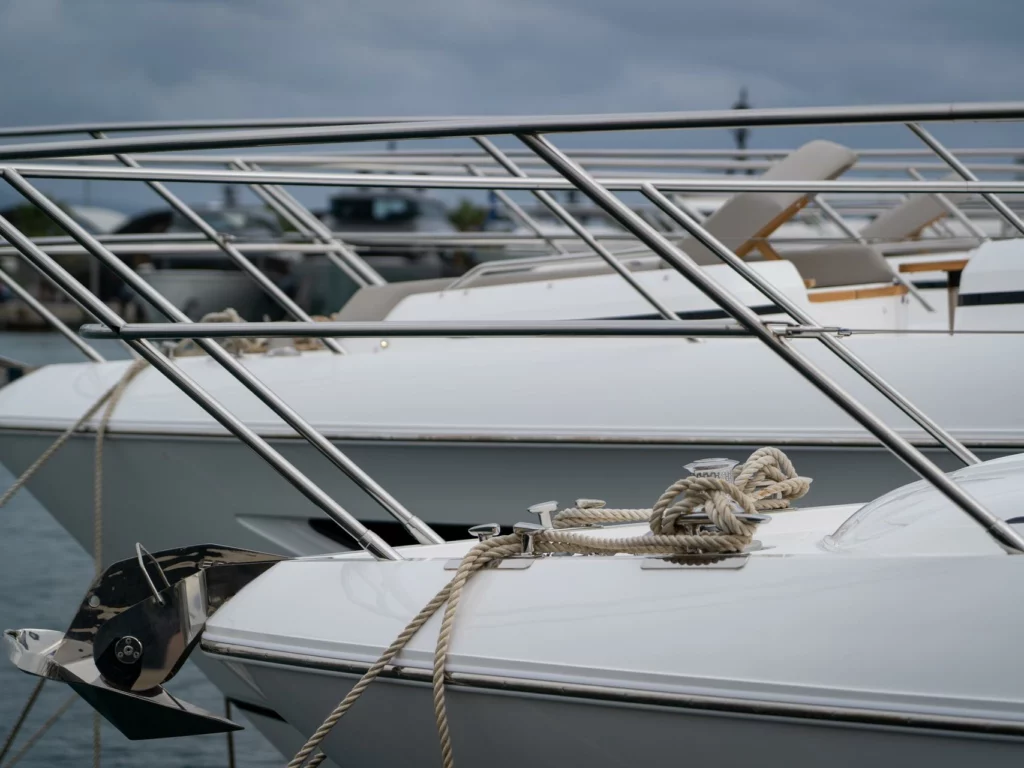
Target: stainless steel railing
x,y
568,175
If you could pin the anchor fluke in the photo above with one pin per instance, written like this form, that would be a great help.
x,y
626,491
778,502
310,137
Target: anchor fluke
x,y
156,715
129,638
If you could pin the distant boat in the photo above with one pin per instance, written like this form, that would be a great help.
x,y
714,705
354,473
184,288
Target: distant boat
x,y
204,282
382,212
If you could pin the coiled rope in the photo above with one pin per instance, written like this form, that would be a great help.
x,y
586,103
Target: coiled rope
x,y
766,482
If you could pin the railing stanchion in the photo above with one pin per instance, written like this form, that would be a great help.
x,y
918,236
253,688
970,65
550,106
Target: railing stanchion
x,y
338,252
581,231
519,213
899,446
240,259
953,162
952,209
55,322
416,527
47,266
850,232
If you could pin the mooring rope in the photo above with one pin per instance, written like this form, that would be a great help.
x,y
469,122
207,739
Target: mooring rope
x,y
767,481
111,398
25,710
41,731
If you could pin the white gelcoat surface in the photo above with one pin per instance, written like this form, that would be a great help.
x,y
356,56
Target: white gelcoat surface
x,y
646,389
598,296
877,624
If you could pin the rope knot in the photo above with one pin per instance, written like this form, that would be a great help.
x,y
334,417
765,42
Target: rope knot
x,y
767,480
719,499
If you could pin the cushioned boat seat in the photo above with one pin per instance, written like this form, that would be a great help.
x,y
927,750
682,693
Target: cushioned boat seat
x,y
742,218
750,215
836,265
909,218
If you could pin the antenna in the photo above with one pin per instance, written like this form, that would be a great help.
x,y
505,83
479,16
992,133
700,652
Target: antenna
x,y
741,134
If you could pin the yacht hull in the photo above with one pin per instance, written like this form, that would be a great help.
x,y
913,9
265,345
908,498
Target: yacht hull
x,y
171,490
859,647
501,728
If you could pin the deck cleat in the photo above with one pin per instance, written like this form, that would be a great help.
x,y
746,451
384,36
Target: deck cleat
x,y
543,511
720,468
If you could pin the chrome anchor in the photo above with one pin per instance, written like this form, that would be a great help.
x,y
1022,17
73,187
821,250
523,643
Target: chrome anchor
x,y
129,638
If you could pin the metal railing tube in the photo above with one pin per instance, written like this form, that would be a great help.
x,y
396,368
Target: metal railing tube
x,y
901,448
367,329
473,126
936,146
55,322
795,311
240,259
582,232
629,183
45,264
420,530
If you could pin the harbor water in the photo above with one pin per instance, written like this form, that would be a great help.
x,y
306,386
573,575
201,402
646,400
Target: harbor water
x,y
43,575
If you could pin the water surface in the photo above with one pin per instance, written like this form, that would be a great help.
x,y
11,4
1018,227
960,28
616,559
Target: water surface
x,y
43,575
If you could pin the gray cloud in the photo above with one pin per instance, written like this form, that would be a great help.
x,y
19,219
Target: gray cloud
x,y
70,60
73,60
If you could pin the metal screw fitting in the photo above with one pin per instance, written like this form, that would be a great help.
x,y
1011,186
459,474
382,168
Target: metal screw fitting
x,y
485,531
543,512
526,532
720,468
128,650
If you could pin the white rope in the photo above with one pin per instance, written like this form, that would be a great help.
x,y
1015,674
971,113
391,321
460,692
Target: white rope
x,y
54,447
767,481
236,346
248,346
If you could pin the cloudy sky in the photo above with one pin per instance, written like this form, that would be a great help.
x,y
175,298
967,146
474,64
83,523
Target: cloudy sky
x,y
75,60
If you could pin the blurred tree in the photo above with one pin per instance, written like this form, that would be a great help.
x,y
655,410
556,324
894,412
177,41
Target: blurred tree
x,y
32,221
468,217
285,224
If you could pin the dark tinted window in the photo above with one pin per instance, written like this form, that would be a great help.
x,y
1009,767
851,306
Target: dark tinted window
x,y
373,209
146,223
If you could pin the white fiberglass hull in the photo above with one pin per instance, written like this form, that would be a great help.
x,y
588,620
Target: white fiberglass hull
x,y
393,725
169,492
468,430
858,646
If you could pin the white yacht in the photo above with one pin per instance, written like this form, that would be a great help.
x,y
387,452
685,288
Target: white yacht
x,y
455,425
833,632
